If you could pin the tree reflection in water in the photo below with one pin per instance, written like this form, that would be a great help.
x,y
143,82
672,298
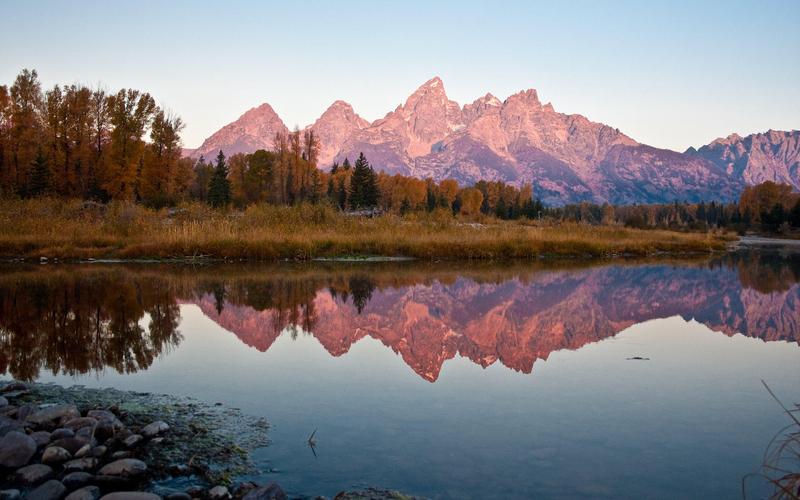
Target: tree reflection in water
x,y
77,319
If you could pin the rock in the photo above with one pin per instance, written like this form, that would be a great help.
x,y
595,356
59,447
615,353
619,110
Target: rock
x,y
242,489
14,386
157,440
126,467
55,455
106,429
118,455
133,440
218,493
98,451
41,438
177,496
85,493
195,491
80,465
53,415
154,429
130,495
33,474
4,402
75,480
72,445
84,451
16,450
269,491
51,490
85,432
80,422
9,424
62,433
105,416
25,410
10,495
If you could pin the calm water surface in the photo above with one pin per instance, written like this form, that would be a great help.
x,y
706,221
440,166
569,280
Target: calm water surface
x,y
448,381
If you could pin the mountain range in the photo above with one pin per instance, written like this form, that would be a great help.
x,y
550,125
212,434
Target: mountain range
x,y
566,157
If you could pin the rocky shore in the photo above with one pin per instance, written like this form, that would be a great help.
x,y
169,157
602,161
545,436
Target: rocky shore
x,y
86,444
76,443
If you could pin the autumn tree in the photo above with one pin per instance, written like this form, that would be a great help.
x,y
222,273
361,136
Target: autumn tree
x,y
163,176
471,200
26,128
130,113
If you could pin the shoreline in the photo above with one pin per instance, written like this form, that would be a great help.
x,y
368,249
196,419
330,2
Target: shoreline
x,y
78,443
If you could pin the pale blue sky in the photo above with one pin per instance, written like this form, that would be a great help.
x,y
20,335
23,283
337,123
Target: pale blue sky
x,y
671,74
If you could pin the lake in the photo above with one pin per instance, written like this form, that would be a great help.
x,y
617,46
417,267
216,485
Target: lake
x,y
447,380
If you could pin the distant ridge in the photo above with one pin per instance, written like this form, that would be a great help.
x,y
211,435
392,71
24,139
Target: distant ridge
x,y
567,158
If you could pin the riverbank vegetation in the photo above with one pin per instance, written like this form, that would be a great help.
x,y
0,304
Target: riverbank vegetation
x,y
73,229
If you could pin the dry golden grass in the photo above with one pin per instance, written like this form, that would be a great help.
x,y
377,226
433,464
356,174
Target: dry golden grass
x,y
71,230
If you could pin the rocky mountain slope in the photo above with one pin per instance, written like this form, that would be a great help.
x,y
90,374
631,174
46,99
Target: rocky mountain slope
x,y
567,158
770,156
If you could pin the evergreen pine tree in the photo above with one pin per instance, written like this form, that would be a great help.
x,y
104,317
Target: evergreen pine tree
x,y
346,164
40,176
794,216
219,188
363,185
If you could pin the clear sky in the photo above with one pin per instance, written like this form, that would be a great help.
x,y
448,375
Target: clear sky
x,y
671,74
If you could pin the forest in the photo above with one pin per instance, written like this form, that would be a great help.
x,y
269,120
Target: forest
x,y
75,142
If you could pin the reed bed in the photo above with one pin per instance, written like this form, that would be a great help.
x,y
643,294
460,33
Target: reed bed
x,y
71,229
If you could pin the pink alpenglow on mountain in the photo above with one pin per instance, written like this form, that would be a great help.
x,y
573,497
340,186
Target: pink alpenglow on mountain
x,y
567,158
253,130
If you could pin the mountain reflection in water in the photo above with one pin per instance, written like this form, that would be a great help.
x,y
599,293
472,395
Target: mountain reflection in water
x,y
78,319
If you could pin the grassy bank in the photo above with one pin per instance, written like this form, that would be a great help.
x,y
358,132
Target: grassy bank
x,y
75,230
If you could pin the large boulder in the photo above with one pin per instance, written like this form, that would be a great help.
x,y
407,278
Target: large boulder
x,y
85,493
41,438
75,480
219,493
269,491
55,455
53,415
154,429
80,422
16,450
127,467
51,490
72,445
62,433
8,424
105,416
34,474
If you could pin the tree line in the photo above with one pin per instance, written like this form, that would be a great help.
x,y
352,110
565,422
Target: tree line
x,y
76,142
767,207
